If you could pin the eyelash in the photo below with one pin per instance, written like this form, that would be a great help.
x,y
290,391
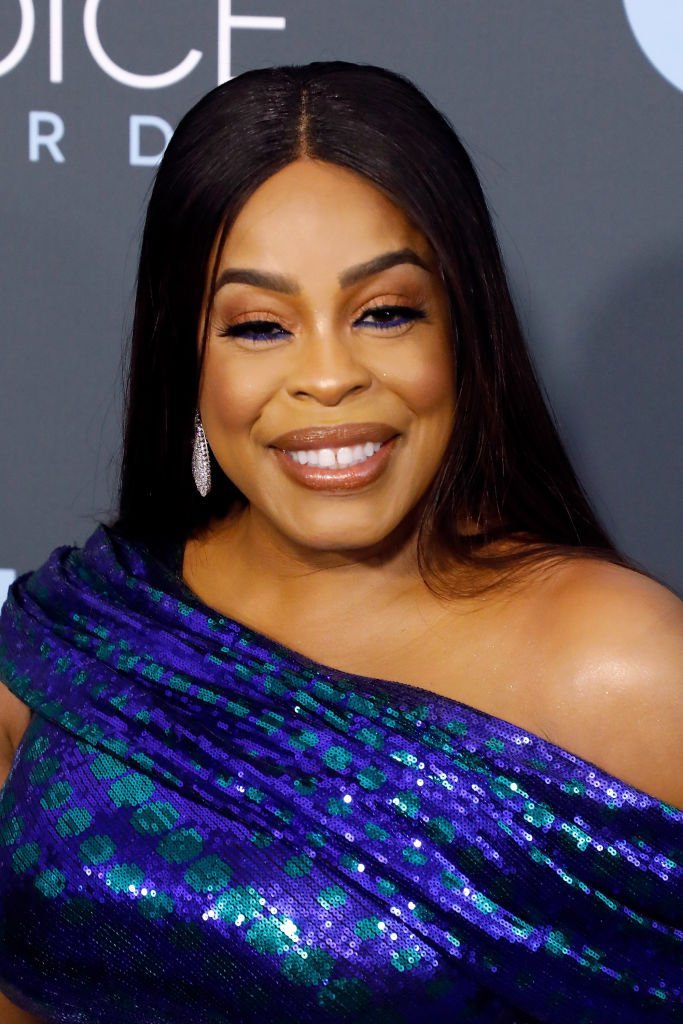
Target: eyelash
x,y
263,330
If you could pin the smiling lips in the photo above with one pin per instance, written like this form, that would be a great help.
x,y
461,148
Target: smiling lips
x,y
336,458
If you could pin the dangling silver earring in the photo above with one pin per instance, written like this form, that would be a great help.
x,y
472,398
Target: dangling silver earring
x,y
201,464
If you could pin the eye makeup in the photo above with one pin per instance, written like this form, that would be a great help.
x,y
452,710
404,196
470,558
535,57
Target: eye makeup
x,y
383,317
387,316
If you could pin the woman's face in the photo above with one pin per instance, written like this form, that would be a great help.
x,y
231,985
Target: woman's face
x,y
327,388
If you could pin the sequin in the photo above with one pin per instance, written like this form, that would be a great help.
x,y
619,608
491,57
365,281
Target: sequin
x,y
201,825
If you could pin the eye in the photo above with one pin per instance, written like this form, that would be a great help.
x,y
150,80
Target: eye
x,y
386,317
255,330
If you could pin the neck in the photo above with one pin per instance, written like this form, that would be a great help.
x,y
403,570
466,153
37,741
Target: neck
x,y
243,564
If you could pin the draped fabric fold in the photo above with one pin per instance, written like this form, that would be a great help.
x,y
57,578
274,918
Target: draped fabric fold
x,y
203,825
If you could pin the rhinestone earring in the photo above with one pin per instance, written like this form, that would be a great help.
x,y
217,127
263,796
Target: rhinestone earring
x,y
201,464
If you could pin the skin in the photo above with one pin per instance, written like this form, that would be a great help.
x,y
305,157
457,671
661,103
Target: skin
x,y
586,654
11,1014
331,365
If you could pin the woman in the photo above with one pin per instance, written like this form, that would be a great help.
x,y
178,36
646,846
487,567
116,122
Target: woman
x,y
355,709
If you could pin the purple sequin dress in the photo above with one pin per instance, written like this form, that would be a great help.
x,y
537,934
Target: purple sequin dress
x,y
202,826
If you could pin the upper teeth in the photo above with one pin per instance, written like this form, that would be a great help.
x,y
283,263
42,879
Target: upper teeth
x,y
336,458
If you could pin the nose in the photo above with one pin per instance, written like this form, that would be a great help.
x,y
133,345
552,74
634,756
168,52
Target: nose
x,y
327,371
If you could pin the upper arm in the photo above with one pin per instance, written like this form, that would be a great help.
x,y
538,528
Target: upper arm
x,y
14,720
12,714
616,696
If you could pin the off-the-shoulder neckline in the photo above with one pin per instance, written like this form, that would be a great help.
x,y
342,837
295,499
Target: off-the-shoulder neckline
x,y
411,693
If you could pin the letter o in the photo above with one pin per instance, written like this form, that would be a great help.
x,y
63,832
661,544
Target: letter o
x,y
20,48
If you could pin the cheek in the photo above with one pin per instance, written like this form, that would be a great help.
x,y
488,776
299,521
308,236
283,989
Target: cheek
x,y
232,396
424,378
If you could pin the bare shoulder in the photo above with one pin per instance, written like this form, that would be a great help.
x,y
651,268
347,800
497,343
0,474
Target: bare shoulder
x,y
613,645
597,601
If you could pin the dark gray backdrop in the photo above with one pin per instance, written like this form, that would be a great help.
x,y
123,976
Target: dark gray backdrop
x,y
576,133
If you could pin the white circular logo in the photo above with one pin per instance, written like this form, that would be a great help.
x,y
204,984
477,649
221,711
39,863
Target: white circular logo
x,y
658,27
6,578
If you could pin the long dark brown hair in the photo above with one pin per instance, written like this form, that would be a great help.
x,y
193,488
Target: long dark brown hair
x,y
505,473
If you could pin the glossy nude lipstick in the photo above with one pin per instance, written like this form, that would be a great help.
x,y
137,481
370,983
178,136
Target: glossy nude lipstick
x,y
340,458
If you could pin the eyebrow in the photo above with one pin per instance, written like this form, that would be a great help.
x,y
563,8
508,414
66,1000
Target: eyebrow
x,y
281,283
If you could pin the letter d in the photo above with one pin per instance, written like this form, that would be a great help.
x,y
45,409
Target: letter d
x,y
136,124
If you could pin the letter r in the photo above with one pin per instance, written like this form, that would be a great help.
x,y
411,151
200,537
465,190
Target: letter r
x,y
37,139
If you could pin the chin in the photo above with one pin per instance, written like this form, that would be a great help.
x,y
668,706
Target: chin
x,y
340,535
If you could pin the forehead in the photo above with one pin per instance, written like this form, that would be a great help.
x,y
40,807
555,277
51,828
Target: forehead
x,y
313,210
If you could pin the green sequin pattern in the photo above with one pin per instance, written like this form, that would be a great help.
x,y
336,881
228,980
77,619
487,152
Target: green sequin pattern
x,y
202,825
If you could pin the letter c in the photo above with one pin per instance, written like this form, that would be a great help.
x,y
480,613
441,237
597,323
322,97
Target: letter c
x,y
92,37
20,48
